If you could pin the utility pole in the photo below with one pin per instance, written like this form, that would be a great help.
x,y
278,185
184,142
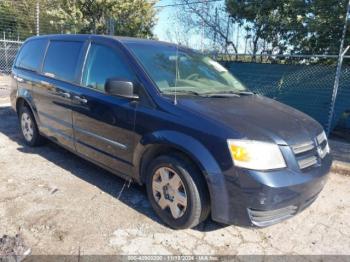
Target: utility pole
x,y
37,18
216,23
202,33
111,26
6,56
246,41
237,37
342,52
227,30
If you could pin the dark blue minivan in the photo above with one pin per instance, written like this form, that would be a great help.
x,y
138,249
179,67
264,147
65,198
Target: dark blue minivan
x,y
175,120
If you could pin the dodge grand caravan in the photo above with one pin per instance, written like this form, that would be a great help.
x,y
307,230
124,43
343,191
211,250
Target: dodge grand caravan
x,y
174,120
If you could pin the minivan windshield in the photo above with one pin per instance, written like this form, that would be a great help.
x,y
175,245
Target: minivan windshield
x,y
184,70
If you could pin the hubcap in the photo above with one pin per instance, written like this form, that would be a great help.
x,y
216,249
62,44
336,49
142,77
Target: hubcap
x,y
27,127
169,191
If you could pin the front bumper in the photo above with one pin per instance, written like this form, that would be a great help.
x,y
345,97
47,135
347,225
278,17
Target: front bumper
x,y
254,198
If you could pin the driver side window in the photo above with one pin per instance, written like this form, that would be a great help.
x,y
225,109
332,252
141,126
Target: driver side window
x,y
102,63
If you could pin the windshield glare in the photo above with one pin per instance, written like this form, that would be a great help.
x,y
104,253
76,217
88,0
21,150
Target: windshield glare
x,y
196,73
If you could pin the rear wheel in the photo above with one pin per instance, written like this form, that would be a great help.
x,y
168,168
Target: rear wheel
x,y
177,192
29,127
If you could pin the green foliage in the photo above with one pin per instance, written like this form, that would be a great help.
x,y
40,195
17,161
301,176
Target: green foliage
x,y
117,17
13,24
299,26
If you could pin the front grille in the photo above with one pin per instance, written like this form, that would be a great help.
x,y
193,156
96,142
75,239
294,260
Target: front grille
x,y
264,218
309,154
307,162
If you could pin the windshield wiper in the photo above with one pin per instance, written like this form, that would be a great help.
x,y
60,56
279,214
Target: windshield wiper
x,y
209,94
222,94
229,93
190,92
247,93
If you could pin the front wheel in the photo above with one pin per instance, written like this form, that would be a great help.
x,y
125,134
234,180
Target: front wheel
x,y
177,192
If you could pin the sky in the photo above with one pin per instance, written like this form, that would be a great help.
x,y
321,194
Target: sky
x,y
167,23
164,19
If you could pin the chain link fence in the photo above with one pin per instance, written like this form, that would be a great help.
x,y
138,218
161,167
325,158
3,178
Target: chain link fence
x,y
303,82
8,51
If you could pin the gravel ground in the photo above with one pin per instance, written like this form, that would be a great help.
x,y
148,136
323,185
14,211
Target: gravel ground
x,y
62,204
4,86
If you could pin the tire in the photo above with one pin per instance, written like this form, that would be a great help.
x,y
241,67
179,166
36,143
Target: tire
x,y
167,197
29,128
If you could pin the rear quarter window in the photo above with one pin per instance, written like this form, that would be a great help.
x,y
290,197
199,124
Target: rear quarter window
x,y
31,54
62,58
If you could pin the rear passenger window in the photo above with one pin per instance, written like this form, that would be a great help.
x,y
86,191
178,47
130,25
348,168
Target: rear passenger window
x,y
103,63
31,54
62,58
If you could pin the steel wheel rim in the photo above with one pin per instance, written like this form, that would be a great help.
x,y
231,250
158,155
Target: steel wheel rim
x,y
27,127
169,191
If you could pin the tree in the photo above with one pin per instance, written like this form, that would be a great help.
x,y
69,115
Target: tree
x,y
209,19
300,26
8,24
270,26
261,20
118,17
17,18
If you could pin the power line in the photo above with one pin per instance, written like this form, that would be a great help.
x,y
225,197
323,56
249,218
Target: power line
x,y
190,3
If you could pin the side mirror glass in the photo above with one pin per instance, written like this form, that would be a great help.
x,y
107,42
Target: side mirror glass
x,y
120,87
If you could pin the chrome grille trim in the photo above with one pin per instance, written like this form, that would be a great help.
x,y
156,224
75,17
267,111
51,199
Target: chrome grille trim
x,y
307,162
324,151
321,138
323,145
301,148
310,153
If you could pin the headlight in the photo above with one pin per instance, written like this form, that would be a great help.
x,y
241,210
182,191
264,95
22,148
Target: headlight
x,y
255,155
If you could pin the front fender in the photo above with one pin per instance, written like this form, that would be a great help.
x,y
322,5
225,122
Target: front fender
x,y
187,144
198,153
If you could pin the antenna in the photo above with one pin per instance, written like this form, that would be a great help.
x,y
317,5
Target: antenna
x,y
176,72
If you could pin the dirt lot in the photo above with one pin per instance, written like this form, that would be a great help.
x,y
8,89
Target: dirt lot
x,y
4,88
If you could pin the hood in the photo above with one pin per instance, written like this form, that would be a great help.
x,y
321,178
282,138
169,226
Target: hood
x,y
256,117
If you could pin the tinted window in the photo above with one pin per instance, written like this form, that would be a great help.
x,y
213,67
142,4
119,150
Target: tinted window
x,y
62,58
31,54
102,63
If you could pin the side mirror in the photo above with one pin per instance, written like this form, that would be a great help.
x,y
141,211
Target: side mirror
x,y
119,87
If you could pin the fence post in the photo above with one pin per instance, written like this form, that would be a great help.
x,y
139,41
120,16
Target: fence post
x,y
5,51
37,18
338,71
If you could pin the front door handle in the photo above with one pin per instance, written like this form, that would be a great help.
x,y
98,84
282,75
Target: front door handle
x,y
81,99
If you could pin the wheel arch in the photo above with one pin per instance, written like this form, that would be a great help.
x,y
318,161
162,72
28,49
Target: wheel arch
x,y
24,97
20,101
166,142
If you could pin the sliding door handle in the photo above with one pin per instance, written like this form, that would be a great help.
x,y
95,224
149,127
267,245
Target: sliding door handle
x,y
66,95
63,94
81,99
